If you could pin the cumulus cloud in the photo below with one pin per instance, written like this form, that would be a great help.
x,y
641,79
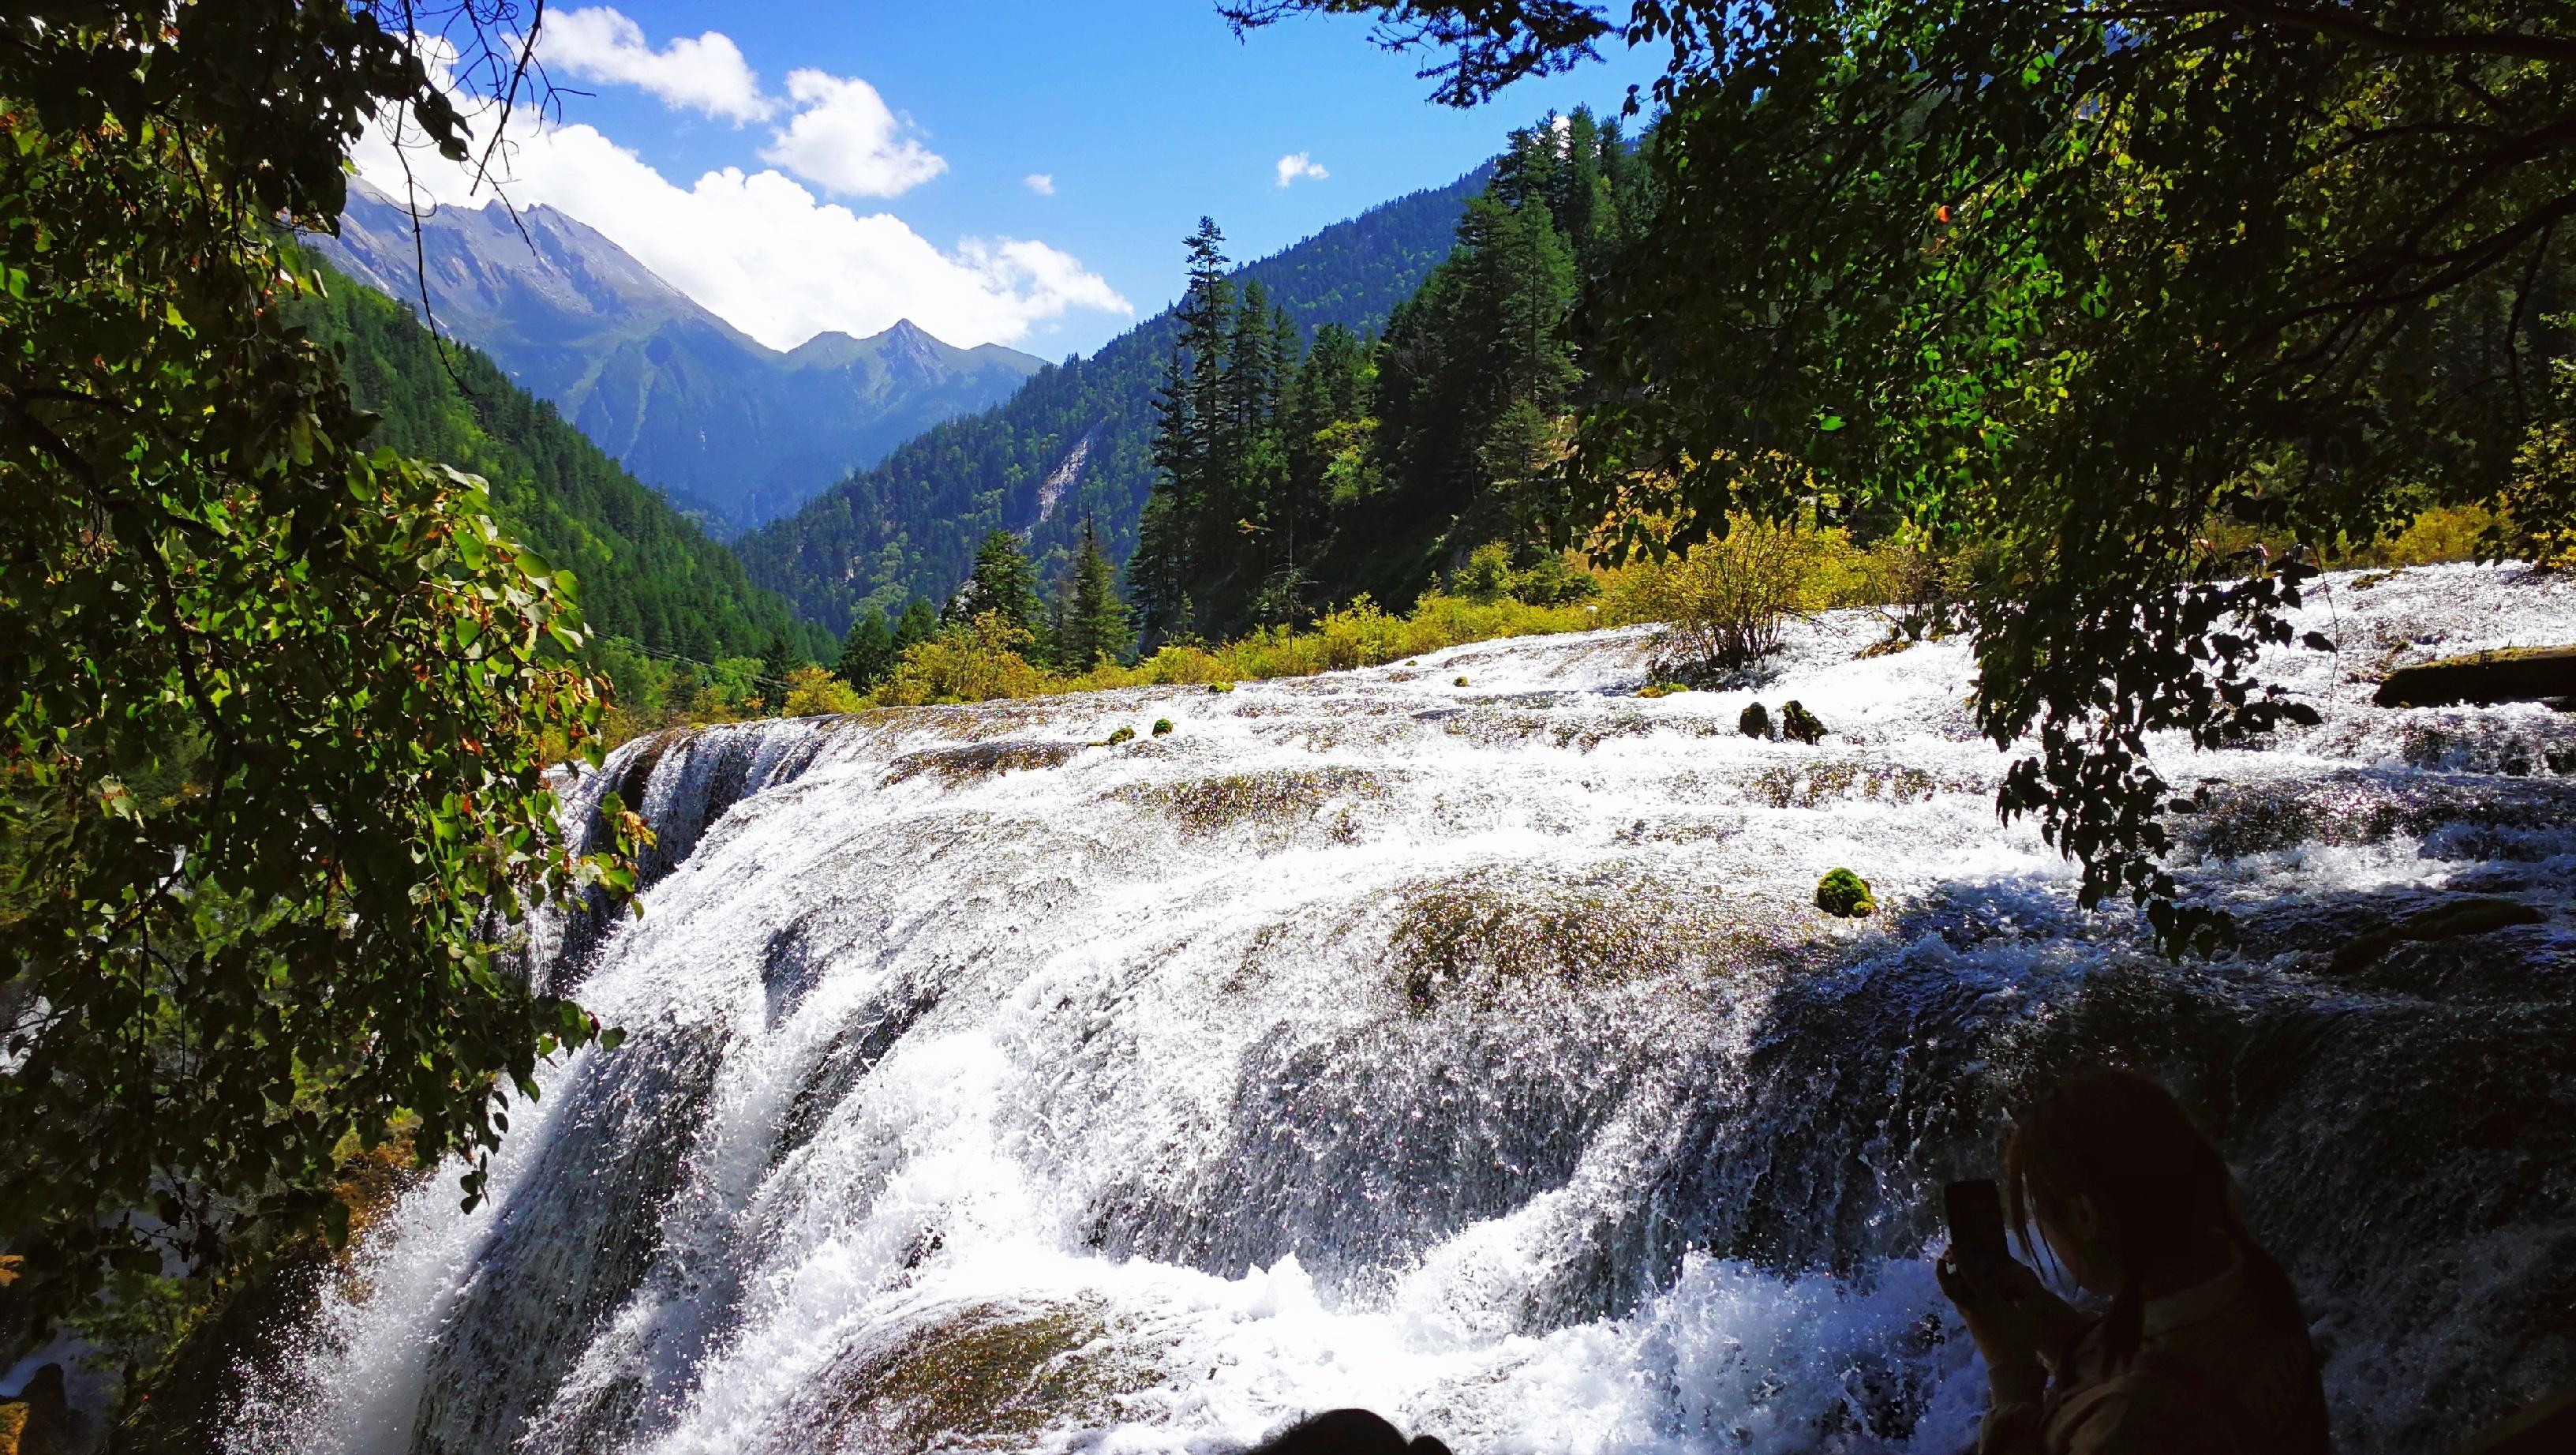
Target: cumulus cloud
x,y
1298,164
846,139
706,74
1042,183
764,253
842,136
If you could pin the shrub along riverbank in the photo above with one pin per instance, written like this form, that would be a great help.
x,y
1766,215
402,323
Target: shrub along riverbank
x,y
1722,607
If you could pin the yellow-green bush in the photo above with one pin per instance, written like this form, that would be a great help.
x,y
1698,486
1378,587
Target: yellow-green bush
x,y
971,661
2440,534
1808,569
2436,535
1724,603
812,691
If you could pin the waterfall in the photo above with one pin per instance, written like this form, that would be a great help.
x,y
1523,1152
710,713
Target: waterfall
x,y
1473,1053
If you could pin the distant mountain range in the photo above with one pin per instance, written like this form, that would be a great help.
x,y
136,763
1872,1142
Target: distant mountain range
x,y
649,576
1076,442
734,431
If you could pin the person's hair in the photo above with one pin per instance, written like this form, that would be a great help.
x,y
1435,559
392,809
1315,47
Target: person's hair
x,y
2124,1142
1346,1432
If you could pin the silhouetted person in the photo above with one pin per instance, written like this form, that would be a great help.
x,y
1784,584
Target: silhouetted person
x,y
2203,1348
1346,1432
38,1419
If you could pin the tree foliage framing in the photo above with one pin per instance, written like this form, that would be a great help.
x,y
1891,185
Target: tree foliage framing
x,y
277,709
2069,280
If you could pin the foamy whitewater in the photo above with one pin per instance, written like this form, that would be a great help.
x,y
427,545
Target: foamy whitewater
x,y
1472,1053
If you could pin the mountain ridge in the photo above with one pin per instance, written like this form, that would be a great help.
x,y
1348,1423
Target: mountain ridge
x,y
683,399
652,583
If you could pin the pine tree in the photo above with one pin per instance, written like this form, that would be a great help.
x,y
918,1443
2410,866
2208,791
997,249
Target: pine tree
x,y
1094,622
919,623
1582,205
1330,387
868,653
1190,437
1004,584
776,666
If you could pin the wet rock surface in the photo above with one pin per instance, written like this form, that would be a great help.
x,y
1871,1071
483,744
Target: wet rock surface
x,y
1481,1056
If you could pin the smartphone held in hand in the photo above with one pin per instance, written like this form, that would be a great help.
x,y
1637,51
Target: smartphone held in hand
x,y
1976,1214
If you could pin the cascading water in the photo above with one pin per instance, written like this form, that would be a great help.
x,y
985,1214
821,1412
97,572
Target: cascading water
x,y
1472,1053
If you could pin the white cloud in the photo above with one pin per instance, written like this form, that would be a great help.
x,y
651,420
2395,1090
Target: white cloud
x,y
1042,183
843,136
846,139
706,74
765,254
1298,164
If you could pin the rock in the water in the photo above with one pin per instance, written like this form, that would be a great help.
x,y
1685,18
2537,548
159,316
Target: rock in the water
x,y
1123,735
2457,920
1756,722
1799,724
2362,949
2519,675
2465,917
1162,727
1844,894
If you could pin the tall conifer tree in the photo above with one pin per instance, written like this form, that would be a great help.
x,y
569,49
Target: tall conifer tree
x,y
1190,416
868,653
1004,584
1095,626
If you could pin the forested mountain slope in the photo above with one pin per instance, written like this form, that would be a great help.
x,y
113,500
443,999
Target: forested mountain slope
x,y
646,573
683,399
1076,442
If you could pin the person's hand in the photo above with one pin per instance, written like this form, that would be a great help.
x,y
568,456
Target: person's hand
x,y
2002,1304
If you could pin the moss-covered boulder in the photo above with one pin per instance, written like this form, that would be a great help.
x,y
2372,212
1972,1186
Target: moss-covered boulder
x,y
1123,735
1755,722
1162,727
2516,675
1800,725
990,1377
1844,895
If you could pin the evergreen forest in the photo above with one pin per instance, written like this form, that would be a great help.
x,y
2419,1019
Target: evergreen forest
x,y
1073,449
655,588
1291,476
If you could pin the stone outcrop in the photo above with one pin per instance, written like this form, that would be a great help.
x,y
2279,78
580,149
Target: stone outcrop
x,y
2520,675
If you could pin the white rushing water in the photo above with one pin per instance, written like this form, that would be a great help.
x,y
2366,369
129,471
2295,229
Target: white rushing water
x,y
1473,1053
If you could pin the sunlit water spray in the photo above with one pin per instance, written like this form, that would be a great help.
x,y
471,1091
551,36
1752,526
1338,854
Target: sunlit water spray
x,y
1471,1053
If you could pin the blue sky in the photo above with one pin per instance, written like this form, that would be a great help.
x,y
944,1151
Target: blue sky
x,y
925,122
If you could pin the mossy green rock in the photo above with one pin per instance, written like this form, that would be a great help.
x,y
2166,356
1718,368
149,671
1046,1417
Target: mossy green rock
x,y
1756,722
1123,735
1843,894
1799,724
1162,727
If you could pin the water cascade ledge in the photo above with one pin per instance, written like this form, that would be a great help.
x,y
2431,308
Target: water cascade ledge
x,y
1477,1054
